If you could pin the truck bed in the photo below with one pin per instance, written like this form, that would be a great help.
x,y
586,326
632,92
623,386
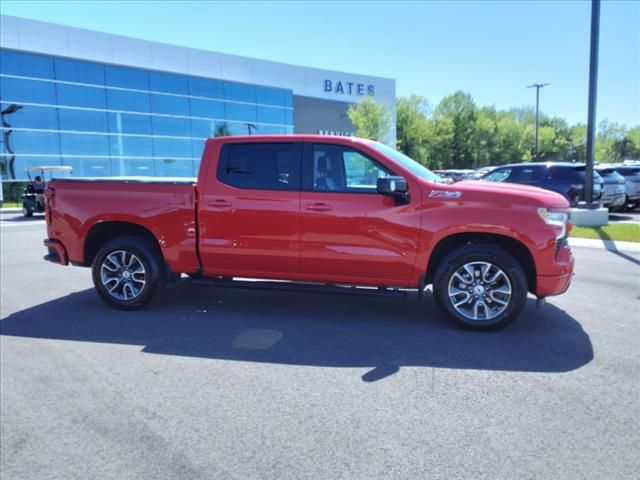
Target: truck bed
x,y
165,206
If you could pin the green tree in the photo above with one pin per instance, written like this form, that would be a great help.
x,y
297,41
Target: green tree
x,y
485,137
577,151
412,127
509,148
610,142
370,118
458,134
632,150
456,115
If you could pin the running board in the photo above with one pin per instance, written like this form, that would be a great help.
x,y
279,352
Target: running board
x,y
287,286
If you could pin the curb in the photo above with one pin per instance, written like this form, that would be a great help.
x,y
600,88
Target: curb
x,y
631,247
11,210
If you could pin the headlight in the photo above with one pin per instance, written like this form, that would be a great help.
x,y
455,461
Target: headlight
x,y
557,219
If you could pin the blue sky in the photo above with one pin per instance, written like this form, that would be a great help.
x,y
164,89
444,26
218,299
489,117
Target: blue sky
x,y
491,50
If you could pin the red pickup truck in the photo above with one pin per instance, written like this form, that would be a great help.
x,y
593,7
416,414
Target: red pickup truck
x,y
316,211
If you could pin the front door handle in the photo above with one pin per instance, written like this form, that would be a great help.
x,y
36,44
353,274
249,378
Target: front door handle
x,y
318,207
219,203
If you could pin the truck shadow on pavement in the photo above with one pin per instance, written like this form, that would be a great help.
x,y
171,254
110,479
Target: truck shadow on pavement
x,y
383,334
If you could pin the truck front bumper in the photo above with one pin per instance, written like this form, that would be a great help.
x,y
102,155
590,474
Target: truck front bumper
x,y
57,252
548,285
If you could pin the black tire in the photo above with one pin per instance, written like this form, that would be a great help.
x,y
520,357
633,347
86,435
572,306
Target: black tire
x,y
475,256
145,254
26,211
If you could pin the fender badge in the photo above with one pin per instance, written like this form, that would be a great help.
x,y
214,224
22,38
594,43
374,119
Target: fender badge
x,y
444,194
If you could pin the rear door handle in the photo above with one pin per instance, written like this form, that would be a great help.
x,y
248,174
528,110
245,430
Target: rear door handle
x,y
219,203
319,207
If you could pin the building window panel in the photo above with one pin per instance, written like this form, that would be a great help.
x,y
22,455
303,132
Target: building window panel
x,y
82,120
84,144
202,128
126,77
171,147
239,92
168,82
288,117
89,167
80,72
169,104
24,141
16,169
26,64
17,90
271,115
207,108
179,127
128,101
79,96
131,146
197,147
202,87
241,112
171,167
270,96
29,117
241,128
139,167
129,123
271,130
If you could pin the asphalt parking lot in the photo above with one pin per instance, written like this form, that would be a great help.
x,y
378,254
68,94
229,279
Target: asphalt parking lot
x,y
236,384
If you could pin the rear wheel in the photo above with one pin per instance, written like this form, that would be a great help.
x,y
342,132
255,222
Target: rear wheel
x,y
128,272
480,287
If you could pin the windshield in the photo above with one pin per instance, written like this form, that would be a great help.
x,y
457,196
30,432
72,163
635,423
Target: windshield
x,y
408,163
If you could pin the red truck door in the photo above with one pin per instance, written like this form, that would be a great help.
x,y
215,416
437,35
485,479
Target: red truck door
x,y
349,232
249,212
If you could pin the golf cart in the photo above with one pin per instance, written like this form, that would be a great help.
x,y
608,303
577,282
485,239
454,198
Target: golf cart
x,y
33,195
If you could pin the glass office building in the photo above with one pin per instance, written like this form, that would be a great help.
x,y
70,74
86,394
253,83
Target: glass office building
x,y
108,120
111,106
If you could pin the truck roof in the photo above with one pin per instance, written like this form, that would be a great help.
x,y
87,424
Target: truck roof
x,y
291,137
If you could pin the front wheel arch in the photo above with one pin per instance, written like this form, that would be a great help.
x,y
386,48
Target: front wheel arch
x,y
513,247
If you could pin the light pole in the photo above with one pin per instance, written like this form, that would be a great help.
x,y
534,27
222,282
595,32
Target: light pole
x,y
593,91
538,86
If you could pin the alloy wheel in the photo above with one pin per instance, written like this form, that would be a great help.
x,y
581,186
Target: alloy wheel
x,y
479,291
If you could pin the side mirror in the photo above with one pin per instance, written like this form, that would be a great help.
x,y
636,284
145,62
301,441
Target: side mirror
x,y
395,187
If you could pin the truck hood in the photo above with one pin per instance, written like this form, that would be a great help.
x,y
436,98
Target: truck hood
x,y
508,192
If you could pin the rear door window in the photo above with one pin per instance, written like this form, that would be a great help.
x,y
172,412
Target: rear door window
x,y
261,166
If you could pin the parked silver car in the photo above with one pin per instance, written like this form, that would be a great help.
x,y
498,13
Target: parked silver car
x,y
631,174
613,194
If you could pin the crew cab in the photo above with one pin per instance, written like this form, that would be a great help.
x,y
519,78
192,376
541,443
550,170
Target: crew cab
x,y
316,211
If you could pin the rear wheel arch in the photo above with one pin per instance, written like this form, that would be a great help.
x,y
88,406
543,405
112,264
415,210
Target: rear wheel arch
x,y
512,246
103,232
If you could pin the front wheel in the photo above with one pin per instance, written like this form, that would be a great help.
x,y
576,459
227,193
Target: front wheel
x,y
128,272
480,287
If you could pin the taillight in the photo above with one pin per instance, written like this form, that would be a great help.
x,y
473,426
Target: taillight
x,y
49,194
